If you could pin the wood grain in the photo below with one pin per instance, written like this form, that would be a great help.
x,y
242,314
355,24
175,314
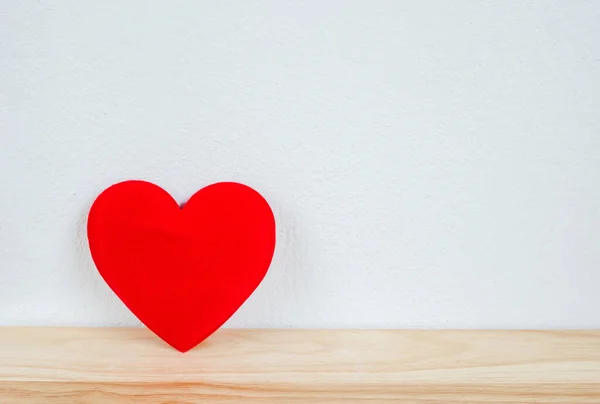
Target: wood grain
x,y
122,365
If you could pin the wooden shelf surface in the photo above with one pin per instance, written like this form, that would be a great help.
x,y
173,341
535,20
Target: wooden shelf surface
x,y
131,365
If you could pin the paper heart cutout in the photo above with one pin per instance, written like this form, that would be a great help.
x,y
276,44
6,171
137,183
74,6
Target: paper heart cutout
x,y
182,271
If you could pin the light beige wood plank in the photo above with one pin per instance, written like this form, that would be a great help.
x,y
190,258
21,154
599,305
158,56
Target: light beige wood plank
x,y
112,365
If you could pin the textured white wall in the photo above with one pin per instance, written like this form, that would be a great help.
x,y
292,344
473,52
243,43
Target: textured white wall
x,y
430,164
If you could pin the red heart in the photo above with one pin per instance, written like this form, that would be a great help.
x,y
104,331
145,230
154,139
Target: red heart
x,y
182,271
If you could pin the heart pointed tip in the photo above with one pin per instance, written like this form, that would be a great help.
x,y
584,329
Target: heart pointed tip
x,y
183,348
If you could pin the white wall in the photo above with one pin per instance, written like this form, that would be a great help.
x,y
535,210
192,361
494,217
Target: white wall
x,y
430,164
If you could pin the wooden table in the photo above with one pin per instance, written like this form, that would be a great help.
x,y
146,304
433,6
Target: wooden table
x,y
131,365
